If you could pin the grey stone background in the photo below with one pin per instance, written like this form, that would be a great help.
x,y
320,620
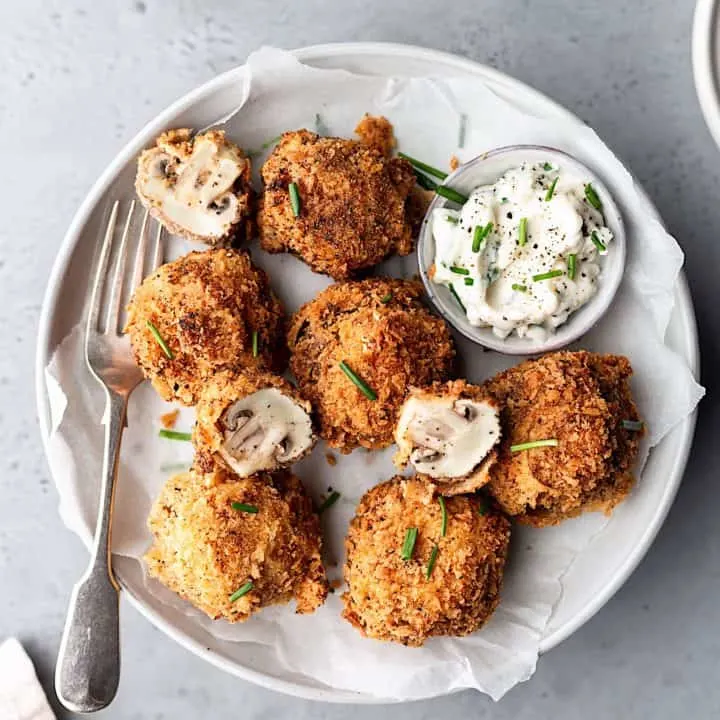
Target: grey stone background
x,y
78,78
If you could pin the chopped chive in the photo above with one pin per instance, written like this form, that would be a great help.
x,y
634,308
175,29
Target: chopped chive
x,y
479,235
572,259
431,561
450,194
505,200
294,198
159,339
459,270
592,197
452,220
244,590
366,390
175,435
268,143
547,167
522,232
242,507
255,343
174,467
328,502
443,510
469,281
482,507
457,297
633,425
409,545
534,444
424,181
320,127
519,288
385,299
429,169
551,190
547,276
462,130
597,242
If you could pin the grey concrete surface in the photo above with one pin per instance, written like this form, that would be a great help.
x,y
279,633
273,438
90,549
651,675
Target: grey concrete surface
x,y
78,78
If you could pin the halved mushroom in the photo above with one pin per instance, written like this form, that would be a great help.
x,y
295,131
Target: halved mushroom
x,y
449,432
198,187
251,423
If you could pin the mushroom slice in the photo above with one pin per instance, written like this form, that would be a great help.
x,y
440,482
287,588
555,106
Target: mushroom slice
x,y
449,435
266,430
198,187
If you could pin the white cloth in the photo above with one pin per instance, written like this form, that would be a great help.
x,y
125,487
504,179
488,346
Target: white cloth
x,y
21,696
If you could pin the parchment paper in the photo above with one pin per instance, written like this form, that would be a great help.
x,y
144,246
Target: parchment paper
x,y
427,113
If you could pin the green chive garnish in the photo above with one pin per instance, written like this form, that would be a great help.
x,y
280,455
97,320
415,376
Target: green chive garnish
x,y
274,140
633,425
175,435
424,181
174,467
547,276
385,299
429,169
597,242
469,281
366,390
551,190
522,232
294,198
534,444
244,590
479,234
452,220
329,501
482,507
431,561
459,270
443,510
255,343
462,128
592,197
519,288
572,259
409,545
451,194
159,339
242,507
457,298
547,167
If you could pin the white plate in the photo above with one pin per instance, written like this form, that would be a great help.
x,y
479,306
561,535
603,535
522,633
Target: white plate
x,y
602,567
706,62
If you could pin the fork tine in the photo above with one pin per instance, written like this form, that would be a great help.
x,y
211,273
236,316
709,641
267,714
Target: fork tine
x,y
96,297
158,249
116,291
140,253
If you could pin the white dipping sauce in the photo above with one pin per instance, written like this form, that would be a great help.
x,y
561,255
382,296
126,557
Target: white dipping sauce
x,y
498,283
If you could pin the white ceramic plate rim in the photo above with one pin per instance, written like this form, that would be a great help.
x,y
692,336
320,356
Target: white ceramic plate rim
x,y
309,54
705,63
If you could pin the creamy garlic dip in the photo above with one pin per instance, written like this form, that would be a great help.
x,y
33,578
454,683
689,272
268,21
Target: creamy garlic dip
x,y
524,253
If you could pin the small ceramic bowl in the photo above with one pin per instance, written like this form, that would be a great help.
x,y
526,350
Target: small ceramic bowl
x,y
485,170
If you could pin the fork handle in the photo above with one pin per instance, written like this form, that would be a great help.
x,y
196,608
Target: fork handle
x,y
88,666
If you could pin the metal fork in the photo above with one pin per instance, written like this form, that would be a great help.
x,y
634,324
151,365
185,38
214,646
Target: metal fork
x,y
88,666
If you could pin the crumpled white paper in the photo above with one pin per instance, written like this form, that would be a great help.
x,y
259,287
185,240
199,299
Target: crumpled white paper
x,y
426,113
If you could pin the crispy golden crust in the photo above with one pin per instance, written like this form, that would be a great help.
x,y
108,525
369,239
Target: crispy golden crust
x,y
352,203
376,132
205,550
206,306
389,598
178,144
219,393
580,399
391,345
480,476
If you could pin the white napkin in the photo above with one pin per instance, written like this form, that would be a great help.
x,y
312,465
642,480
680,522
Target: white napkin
x,y
21,697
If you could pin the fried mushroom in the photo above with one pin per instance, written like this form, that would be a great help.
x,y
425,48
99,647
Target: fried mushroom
x,y
378,332
199,314
448,433
197,187
251,421
231,546
447,584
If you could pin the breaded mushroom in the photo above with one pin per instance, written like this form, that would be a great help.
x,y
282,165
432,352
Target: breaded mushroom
x,y
356,350
581,405
337,204
442,583
197,187
199,314
251,421
448,432
231,546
